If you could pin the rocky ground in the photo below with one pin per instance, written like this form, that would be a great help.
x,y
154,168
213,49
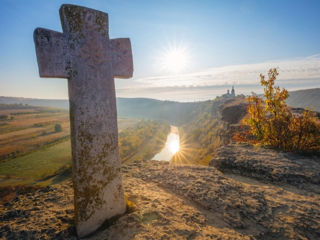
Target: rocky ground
x,y
269,165
186,202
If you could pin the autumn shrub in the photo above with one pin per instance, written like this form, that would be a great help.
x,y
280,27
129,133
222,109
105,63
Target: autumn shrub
x,y
272,122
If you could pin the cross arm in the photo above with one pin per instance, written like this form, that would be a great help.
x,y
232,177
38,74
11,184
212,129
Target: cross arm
x,y
51,50
122,62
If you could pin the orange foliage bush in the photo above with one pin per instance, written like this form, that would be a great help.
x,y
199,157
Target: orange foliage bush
x,y
273,124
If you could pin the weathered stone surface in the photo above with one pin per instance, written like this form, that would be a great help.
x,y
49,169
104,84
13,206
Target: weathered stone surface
x,y
84,54
268,165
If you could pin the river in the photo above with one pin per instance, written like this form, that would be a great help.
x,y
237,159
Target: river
x,y
171,147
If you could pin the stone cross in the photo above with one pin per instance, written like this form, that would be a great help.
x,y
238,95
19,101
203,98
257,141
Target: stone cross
x,y
86,56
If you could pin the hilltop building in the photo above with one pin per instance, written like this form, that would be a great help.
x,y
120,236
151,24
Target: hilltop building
x,y
228,94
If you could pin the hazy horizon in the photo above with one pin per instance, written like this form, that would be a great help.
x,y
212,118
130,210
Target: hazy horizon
x,y
163,99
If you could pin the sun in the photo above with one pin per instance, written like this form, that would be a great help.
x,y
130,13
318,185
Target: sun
x,y
174,59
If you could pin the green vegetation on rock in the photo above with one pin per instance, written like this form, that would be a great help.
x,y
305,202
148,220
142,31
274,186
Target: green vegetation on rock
x,y
205,132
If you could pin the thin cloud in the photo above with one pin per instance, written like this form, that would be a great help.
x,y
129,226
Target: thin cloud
x,y
300,73
302,68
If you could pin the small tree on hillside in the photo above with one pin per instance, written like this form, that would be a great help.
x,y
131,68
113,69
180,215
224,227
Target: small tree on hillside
x,y
273,123
58,128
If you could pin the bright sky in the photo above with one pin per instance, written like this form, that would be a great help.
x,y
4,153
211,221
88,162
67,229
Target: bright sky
x,y
183,50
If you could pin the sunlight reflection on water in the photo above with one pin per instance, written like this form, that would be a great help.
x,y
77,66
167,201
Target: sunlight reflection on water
x,y
171,147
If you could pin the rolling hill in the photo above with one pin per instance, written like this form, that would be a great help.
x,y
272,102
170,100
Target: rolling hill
x,y
174,112
305,98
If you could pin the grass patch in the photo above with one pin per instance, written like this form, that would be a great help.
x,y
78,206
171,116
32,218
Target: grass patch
x,y
37,165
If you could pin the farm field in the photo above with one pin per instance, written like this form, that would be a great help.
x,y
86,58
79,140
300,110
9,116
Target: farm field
x,y
25,128
32,151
